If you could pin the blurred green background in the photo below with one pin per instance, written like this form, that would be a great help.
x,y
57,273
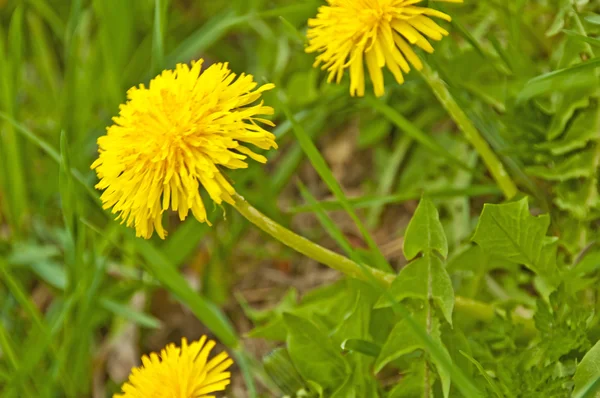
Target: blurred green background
x,y
81,298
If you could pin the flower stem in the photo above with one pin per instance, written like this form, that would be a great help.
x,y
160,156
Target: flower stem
x,y
493,164
473,309
309,248
485,313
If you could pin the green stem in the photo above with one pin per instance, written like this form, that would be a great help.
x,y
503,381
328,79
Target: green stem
x,y
493,164
308,248
7,349
11,162
476,310
479,310
485,313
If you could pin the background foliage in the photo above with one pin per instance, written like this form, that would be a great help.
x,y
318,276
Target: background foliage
x,y
506,292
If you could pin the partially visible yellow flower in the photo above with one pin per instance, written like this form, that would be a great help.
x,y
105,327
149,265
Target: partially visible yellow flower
x,y
174,136
348,33
184,372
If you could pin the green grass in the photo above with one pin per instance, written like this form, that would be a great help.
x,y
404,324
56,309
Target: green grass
x,y
494,117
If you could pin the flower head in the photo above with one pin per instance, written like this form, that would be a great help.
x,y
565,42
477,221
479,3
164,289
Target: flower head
x,y
174,136
184,372
381,33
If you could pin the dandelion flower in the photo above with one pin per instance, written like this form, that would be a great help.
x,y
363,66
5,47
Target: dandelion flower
x,y
176,135
381,33
184,372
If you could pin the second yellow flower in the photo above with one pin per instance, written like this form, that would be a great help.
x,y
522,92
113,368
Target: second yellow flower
x,y
349,33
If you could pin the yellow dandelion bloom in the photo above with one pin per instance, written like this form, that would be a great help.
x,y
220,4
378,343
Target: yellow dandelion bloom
x,y
348,33
174,136
184,372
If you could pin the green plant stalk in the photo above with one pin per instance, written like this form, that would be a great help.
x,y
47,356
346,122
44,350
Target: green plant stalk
x,y
10,152
474,309
486,313
158,53
7,349
11,359
307,247
492,162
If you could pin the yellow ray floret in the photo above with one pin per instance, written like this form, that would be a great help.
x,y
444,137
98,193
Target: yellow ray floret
x,y
350,33
182,372
173,137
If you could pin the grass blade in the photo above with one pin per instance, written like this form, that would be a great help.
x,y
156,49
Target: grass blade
x,y
44,9
590,40
411,130
8,350
157,263
163,270
371,201
590,390
158,51
326,174
204,37
50,151
41,333
10,148
142,319
389,176
483,148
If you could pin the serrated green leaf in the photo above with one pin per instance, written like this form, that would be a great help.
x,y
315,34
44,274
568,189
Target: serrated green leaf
x,y
566,107
508,231
588,370
579,165
425,278
571,78
425,232
578,197
402,340
583,129
313,353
